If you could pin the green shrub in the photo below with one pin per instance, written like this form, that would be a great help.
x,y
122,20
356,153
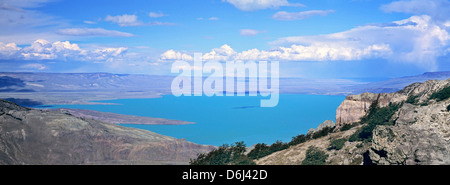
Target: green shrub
x,y
337,144
324,132
297,140
443,94
376,116
366,132
412,99
219,156
224,155
354,137
261,150
315,156
359,145
448,108
278,145
349,126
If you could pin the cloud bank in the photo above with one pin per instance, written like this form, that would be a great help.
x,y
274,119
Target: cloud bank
x,y
45,50
419,40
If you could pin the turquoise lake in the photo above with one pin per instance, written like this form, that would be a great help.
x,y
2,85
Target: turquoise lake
x,y
225,120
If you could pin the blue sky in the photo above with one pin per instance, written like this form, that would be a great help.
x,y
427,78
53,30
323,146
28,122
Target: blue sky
x,y
311,38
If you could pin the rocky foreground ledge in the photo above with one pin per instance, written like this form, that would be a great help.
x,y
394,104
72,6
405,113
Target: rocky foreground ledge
x,y
31,136
416,130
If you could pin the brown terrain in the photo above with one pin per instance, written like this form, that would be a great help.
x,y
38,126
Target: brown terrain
x,y
31,136
120,118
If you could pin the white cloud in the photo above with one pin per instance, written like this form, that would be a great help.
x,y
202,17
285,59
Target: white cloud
x,y
93,32
292,16
417,40
34,66
293,53
314,53
44,50
251,5
171,55
250,32
106,54
156,14
438,9
224,53
8,50
124,20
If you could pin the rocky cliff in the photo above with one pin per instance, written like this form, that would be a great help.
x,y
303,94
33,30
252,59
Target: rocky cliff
x,y
29,136
421,134
354,107
418,132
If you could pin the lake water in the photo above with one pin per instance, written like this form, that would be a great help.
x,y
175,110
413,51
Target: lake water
x,y
225,120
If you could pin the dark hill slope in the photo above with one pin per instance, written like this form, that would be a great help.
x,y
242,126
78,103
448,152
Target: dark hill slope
x,y
29,136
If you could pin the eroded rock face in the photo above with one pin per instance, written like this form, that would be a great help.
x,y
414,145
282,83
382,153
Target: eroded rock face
x,y
354,107
421,135
421,131
29,136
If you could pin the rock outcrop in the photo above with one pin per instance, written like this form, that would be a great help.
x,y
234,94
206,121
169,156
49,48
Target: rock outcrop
x,y
420,133
326,123
30,136
354,107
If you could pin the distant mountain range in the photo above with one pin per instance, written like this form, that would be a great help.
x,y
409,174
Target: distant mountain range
x,y
396,84
31,89
75,88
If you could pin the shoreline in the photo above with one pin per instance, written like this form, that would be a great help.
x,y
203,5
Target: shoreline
x,y
115,118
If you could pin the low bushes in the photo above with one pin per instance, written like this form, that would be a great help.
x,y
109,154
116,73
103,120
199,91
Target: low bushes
x,y
315,156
